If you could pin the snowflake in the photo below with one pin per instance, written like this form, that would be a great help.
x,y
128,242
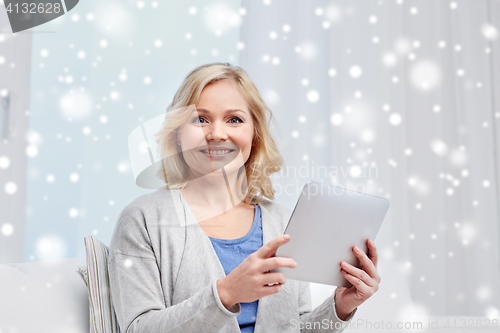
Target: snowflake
x,y
355,71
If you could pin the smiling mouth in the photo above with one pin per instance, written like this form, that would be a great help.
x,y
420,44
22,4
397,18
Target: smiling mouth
x,y
217,152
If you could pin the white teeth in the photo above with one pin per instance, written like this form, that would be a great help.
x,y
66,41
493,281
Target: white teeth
x,y
216,152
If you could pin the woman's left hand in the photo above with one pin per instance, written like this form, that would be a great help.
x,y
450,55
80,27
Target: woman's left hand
x,y
364,281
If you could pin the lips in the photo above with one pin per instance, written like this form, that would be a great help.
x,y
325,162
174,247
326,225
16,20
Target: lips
x,y
217,152
217,148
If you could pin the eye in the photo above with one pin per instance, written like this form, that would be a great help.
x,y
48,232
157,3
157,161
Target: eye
x,y
198,120
236,118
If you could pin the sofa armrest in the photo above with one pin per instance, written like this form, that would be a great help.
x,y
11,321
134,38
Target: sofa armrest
x,y
44,296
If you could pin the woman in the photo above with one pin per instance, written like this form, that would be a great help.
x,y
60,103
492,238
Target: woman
x,y
196,256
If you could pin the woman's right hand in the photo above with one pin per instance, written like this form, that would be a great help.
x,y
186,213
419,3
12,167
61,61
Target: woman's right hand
x,y
250,280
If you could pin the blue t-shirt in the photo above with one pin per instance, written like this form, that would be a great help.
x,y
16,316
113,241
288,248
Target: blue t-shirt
x,y
231,253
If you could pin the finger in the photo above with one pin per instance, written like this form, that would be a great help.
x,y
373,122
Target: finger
x,y
357,283
271,278
269,249
368,265
372,252
269,290
360,274
274,262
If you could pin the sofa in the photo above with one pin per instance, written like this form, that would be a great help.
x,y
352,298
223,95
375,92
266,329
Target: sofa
x,y
53,296
44,296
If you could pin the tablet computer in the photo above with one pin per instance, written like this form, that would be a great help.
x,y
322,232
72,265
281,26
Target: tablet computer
x,y
324,226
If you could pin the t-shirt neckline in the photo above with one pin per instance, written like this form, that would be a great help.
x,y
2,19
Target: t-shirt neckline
x,y
245,237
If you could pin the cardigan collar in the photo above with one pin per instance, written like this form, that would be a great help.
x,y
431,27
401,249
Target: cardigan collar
x,y
271,228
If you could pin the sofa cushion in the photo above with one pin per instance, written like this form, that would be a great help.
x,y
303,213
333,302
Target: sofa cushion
x,y
102,313
44,296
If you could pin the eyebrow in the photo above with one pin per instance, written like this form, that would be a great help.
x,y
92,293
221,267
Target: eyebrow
x,y
228,111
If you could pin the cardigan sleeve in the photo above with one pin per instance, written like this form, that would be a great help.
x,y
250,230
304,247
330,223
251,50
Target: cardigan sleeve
x,y
137,291
322,317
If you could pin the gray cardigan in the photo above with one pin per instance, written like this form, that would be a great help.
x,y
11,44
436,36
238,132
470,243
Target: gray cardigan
x,y
163,272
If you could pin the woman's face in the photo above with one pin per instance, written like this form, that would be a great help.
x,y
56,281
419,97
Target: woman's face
x,y
219,131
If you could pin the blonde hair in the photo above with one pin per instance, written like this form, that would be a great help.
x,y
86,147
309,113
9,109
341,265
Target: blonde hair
x,y
264,158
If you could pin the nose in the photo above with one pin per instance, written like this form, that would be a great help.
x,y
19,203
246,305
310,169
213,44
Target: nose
x,y
216,132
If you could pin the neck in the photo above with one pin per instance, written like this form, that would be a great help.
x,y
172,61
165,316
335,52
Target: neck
x,y
214,194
